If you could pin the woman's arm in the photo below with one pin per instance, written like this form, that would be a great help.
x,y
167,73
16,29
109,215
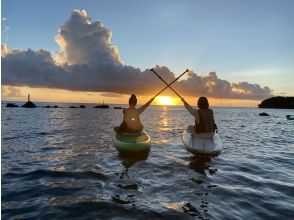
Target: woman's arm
x,y
192,111
146,105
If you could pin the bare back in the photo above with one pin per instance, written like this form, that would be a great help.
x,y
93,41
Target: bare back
x,y
132,119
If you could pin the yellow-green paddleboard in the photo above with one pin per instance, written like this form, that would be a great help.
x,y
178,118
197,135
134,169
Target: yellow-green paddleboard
x,y
132,143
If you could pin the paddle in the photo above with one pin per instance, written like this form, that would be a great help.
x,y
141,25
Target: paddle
x,y
168,85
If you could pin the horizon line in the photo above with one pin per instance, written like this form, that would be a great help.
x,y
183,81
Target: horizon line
x,y
213,106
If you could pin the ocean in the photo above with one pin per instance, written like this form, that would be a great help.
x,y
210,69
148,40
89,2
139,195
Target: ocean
x,y
61,164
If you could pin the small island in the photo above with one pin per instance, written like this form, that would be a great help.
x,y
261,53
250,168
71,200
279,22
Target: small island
x,y
118,107
29,104
101,106
278,102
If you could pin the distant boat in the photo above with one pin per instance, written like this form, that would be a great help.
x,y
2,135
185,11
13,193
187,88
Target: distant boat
x,y
118,107
290,117
102,106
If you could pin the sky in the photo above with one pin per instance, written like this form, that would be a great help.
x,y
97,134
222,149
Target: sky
x,y
231,45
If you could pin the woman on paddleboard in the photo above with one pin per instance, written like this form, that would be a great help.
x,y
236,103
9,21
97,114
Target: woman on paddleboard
x,y
131,121
205,126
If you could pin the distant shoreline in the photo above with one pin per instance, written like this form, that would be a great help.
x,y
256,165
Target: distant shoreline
x,y
278,102
112,104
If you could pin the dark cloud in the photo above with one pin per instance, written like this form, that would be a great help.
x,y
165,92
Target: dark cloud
x,y
88,62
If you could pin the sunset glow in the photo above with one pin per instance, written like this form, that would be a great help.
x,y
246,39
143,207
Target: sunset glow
x,y
165,100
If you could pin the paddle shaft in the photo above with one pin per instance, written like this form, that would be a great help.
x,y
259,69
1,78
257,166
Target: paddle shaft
x,y
168,85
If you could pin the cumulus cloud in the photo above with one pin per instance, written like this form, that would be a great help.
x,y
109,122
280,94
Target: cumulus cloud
x,y
83,41
87,61
212,86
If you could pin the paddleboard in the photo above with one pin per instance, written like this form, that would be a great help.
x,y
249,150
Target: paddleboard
x,y
197,145
132,143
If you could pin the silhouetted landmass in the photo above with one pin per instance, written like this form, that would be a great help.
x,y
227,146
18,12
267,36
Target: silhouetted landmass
x,y
29,104
264,114
101,106
82,106
55,106
72,107
11,105
278,102
118,107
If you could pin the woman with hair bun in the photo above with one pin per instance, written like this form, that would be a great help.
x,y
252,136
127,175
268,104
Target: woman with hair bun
x,y
131,120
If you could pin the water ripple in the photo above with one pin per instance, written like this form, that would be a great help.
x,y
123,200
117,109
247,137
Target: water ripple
x,y
61,164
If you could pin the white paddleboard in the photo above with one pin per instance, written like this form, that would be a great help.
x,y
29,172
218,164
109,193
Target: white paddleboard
x,y
197,145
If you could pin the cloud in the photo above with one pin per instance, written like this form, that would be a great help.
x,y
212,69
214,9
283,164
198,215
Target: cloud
x,y
4,50
210,85
87,61
111,94
83,41
12,92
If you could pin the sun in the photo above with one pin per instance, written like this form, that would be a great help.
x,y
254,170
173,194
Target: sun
x,y
164,100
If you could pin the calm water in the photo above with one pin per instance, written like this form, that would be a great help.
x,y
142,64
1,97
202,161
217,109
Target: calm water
x,y
60,163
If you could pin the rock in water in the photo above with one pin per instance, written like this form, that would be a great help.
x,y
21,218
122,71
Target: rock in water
x,y
29,104
11,105
101,106
264,114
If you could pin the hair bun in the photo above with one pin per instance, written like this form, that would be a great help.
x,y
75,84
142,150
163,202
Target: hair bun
x,y
133,99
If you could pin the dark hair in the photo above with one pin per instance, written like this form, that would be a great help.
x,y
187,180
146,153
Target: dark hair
x,y
133,100
203,103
